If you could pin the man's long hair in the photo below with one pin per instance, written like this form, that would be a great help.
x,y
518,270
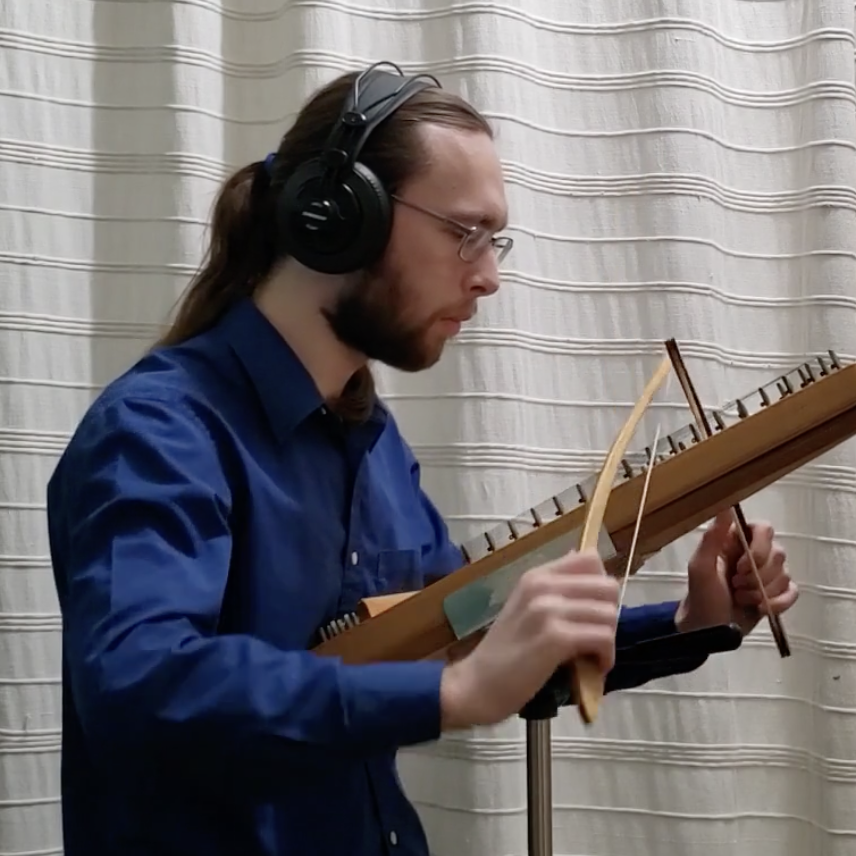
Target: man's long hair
x,y
242,249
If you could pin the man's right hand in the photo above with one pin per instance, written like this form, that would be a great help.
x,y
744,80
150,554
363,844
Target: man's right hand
x,y
558,612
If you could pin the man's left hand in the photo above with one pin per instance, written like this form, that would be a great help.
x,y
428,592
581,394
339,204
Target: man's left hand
x,y
722,587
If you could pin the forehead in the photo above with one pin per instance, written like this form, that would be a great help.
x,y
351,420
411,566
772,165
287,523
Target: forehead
x,y
463,178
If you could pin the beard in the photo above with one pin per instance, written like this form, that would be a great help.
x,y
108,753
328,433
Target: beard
x,y
370,317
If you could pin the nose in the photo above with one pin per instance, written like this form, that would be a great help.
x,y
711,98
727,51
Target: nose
x,y
484,275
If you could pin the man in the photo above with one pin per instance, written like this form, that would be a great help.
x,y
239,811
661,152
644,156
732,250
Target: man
x,y
241,486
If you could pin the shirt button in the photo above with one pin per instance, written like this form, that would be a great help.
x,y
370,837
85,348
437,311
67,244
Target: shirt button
x,y
393,838
354,558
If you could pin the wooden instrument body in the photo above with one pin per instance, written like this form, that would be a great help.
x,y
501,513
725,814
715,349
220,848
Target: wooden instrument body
x,y
780,428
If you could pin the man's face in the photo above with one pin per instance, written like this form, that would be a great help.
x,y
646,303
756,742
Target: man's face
x,y
404,310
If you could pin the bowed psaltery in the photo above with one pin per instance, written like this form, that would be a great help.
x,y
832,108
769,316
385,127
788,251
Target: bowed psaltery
x,y
635,506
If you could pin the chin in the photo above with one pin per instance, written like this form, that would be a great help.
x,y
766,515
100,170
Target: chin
x,y
427,358
417,355
434,350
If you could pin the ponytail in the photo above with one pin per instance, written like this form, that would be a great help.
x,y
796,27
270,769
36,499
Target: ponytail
x,y
241,253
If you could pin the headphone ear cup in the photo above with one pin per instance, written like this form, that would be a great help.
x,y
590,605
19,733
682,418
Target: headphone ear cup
x,y
334,227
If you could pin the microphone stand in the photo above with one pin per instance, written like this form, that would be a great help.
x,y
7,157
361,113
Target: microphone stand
x,y
672,653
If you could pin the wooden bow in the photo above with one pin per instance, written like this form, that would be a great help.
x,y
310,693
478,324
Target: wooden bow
x,y
587,678
753,442
588,681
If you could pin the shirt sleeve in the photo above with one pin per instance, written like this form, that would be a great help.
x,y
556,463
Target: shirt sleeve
x,y
139,516
638,624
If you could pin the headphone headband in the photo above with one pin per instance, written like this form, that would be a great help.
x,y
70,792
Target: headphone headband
x,y
334,214
374,97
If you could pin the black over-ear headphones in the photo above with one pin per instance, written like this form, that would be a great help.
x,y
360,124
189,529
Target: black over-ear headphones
x,y
334,214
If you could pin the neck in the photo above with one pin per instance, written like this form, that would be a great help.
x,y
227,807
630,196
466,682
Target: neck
x,y
292,300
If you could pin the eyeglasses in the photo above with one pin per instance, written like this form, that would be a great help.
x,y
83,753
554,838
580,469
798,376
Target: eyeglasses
x,y
474,239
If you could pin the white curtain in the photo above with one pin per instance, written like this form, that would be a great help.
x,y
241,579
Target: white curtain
x,y
674,168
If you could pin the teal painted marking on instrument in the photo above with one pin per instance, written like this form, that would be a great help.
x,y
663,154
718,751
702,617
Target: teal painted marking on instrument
x,y
475,606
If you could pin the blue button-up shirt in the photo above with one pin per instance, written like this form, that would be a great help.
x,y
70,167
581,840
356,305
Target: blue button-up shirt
x,y
207,517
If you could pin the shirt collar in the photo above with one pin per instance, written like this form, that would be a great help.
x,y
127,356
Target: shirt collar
x,y
285,388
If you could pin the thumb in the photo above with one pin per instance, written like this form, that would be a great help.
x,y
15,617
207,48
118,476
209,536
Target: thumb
x,y
703,561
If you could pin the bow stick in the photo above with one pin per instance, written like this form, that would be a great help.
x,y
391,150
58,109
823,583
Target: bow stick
x,y
743,530
588,680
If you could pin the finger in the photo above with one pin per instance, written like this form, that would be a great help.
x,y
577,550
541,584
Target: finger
x,y
577,562
785,600
563,574
753,597
733,548
750,593
589,613
550,609
744,580
595,642
761,545
777,603
710,546
576,587
777,586
768,570
748,598
783,590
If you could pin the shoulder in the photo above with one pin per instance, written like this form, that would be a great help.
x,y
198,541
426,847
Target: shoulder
x,y
154,421
154,397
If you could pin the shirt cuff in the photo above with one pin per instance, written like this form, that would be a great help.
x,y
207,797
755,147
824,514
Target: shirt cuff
x,y
393,704
639,623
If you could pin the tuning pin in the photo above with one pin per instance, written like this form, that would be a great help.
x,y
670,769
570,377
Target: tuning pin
x,y
338,625
784,386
